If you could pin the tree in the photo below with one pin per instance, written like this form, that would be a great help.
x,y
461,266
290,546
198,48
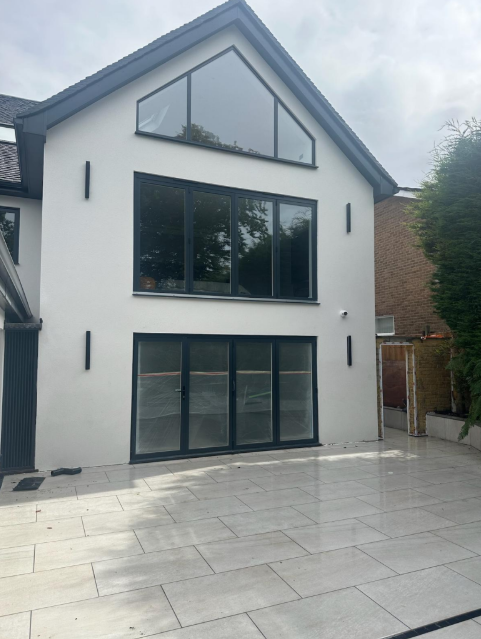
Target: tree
x,y
447,222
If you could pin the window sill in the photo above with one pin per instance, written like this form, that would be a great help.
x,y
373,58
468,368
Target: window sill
x,y
225,297
219,148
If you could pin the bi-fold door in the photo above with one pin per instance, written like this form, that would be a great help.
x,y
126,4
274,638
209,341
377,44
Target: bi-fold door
x,y
194,395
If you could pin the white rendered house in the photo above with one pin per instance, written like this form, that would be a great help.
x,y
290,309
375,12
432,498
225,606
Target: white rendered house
x,y
201,215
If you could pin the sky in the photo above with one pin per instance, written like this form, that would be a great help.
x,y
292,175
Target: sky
x,y
396,70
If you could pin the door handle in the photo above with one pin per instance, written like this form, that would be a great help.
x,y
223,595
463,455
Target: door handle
x,y
181,390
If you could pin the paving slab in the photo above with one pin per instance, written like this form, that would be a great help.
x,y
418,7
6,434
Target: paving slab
x,y
336,615
183,534
415,552
153,569
444,594
17,626
232,554
126,520
327,571
128,615
73,552
226,594
40,590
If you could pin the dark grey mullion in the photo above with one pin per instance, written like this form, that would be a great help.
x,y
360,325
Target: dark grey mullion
x,y
276,127
189,240
184,402
16,237
135,370
233,393
315,393
234,246
276,411
137,213
314,244
276,253
189,106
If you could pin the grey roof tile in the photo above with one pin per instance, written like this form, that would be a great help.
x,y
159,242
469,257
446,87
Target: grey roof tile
x,y
9,168
10,106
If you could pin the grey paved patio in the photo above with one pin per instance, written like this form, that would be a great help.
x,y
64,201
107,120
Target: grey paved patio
x,y
359,541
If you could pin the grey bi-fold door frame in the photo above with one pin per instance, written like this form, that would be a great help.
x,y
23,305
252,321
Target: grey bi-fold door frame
x,y
185,447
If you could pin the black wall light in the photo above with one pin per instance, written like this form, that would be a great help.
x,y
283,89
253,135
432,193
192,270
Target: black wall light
x,y
87,180
348,218
87,350
349,350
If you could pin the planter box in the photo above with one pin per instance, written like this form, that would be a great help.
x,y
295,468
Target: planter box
x,y
448,427
395,418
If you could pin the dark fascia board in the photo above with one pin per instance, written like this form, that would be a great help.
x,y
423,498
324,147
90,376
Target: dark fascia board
x,y
12,295
38,120
12,190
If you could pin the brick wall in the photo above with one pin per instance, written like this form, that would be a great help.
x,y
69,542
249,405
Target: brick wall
x,y
429,383
433,381
402,272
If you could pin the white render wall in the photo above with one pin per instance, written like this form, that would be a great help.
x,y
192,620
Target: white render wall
x,y
30,240
84,417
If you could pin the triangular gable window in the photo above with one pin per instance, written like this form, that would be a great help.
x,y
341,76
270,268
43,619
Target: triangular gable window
x,y
224,104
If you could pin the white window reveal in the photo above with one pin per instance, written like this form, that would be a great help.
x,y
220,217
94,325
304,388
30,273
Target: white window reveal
x,y
7,134
385,325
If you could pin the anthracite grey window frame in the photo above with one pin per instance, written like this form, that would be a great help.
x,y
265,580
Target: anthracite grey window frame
x,y
235,194
232,446
277,101
16,231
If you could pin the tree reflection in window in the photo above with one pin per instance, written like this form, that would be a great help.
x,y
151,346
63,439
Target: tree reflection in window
x,y
7,229
162,244
255,247
230,108
295,250
187,234
212,243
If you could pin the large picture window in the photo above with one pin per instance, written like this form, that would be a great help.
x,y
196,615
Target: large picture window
x,y
199,239
9,228
223,103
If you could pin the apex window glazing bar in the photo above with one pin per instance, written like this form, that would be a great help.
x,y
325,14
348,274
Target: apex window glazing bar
x,y
224,103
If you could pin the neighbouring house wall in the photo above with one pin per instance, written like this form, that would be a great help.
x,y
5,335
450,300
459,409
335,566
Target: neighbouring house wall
x,y
30,240
84,417
402,272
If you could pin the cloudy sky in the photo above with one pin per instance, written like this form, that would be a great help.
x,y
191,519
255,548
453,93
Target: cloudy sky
x,y
396,70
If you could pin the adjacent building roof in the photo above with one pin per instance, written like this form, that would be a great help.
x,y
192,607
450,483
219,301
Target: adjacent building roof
x,y
9,169
10,106
33,123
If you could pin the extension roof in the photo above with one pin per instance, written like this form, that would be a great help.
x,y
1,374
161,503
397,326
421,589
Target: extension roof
x,y
32,124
